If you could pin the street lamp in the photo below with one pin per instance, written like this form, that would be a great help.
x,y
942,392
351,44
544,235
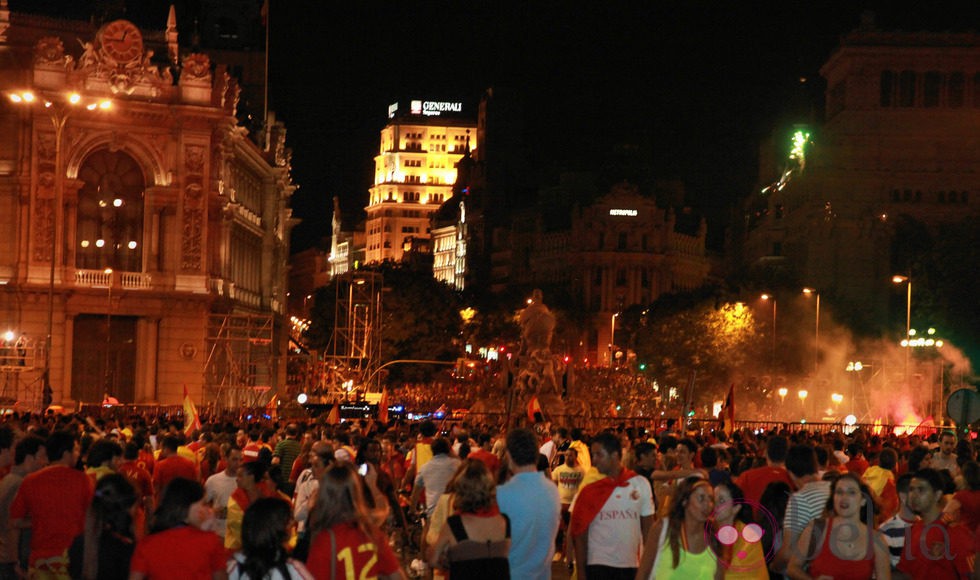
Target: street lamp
x,y
783,391
612,337
802,394
899,279
772,366
59,110
108,334
837,398
816,331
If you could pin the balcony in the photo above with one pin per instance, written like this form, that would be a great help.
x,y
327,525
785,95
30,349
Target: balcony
x,y
103,279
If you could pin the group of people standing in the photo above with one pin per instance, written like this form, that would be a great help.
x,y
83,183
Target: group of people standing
x,y
85,499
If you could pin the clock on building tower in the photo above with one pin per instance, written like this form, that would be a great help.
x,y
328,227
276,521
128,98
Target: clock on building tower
x,y
121,42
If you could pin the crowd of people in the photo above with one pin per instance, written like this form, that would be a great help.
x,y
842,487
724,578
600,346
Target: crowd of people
x,y
136,497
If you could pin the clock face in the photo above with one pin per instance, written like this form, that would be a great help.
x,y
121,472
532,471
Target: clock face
x,y
121,41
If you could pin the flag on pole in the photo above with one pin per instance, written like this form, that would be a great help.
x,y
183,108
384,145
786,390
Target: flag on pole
x,y
192,420
271,406
334,417
534,413
727,415
383,406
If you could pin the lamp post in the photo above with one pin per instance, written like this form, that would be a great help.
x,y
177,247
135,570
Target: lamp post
x,y
772,365
612,337
108,335
802,394
899,279
59,111
816,330
837,398
783,391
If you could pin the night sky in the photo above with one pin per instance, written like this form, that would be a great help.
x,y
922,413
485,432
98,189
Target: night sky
x,y
696,85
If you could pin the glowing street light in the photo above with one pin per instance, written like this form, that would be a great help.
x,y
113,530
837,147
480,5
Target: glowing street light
x,y
802,394
816,331
783,391
59,110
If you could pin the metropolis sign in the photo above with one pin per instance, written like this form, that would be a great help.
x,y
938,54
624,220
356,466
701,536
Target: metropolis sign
x,y
624,212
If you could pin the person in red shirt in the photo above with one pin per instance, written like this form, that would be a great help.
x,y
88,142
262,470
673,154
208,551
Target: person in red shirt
x,y
171,465
141,479
178,546
250,452
346,542
53,502
933,548
754,481
483,454
858,464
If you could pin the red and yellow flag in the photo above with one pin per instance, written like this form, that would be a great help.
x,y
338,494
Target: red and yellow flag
x,y
727,414
534,413
334,417
192,420
383,407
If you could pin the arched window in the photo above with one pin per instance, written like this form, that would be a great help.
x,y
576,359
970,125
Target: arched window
x,y
110,213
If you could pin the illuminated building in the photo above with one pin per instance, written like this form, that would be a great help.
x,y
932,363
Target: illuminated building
x,y
415,170
620,250
148,239
894,159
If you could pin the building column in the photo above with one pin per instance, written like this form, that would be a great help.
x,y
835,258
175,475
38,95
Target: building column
x,y
147,343
68,339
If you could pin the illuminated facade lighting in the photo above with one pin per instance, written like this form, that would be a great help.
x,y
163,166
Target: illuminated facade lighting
x,y
415,170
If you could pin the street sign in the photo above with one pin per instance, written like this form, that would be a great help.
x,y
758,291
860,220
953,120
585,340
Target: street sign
x,y
963,406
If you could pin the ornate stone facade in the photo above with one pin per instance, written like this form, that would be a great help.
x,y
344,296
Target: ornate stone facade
x,y
168,224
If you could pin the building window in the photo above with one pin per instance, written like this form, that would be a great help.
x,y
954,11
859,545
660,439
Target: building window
x,y
931,85
602,240
887,88
109,232
597,277
621,277
621,242
954,90
906,89
941,196
645,241
896,195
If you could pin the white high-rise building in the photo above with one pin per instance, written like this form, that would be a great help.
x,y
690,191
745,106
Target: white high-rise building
x,y
414,173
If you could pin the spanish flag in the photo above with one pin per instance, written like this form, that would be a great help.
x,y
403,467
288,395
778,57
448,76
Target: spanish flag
x,y
334,417
192,420
534,413
727,415
383,407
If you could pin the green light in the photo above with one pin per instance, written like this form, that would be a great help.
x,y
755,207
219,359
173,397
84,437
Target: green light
x,y
690,413
643,366
797,152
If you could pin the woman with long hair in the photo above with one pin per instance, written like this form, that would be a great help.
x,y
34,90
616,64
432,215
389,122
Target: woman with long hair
x,y
106,547
740,537
677,545
844,545
265,536
475,541
346,542
178,545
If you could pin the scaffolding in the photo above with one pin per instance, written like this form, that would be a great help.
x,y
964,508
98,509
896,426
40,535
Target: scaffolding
x,y
19,356
355,348
240,366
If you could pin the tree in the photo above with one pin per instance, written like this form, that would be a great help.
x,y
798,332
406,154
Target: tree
x,y
699,332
